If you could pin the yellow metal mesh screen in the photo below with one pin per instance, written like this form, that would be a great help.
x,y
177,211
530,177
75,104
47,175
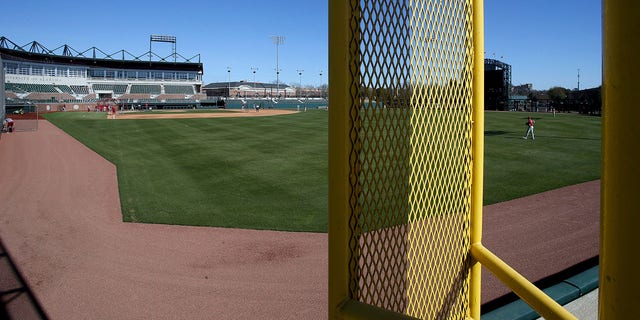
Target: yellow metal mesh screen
x,y
411,156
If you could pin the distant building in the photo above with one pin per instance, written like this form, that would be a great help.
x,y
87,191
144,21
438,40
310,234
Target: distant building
x,y
497,84
244,89
522,90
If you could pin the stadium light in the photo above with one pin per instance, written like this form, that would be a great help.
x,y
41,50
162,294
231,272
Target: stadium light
x,y
229,82
277,40
163,38
320,85
300,77
160,38
254,69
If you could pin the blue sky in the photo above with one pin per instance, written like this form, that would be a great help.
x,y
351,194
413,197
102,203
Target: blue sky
x,y
546,42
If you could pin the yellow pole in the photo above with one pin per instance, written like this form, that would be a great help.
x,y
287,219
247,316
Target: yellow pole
x,y
620,210
340,146
533,296
478,153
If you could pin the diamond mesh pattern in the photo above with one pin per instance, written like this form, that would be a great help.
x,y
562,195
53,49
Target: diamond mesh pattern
x,y
411,155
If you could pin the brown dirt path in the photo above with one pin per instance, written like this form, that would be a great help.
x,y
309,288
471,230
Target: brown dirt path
x,y
60,219
542,234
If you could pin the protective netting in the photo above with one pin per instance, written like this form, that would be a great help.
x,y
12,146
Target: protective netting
x,y
411,155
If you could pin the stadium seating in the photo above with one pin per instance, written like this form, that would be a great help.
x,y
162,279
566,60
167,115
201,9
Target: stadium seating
x,y
90,97
10,95
41,88
102,86
30,87
13,87
80,89
51,82
145,88
175,89
116,88
64,88
199,96
49,96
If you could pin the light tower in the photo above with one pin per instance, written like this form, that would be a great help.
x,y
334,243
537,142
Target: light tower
x,y
320,85
228,82
300,82
163,38
254,69
578,79
277,40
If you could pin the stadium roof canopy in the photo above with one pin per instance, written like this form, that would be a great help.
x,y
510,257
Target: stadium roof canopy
x,y
94,57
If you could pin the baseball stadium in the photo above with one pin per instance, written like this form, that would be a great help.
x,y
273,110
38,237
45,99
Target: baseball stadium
x,y
133,190
43,80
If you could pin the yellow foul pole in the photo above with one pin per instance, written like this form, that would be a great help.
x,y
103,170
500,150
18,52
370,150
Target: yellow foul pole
x,y
478,152
620,210
339,125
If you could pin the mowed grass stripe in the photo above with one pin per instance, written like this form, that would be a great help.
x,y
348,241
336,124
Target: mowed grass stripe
x,y
271,172
262,173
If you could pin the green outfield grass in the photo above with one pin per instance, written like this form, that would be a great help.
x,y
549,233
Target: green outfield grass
x,y
258,172
566,151
271,172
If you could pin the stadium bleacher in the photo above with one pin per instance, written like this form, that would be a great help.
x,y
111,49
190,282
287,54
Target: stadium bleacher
x,y
175,89
38,87
49,96
64,88
145,88
90,97
116,88
29,87
11,95
79,89
13,87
